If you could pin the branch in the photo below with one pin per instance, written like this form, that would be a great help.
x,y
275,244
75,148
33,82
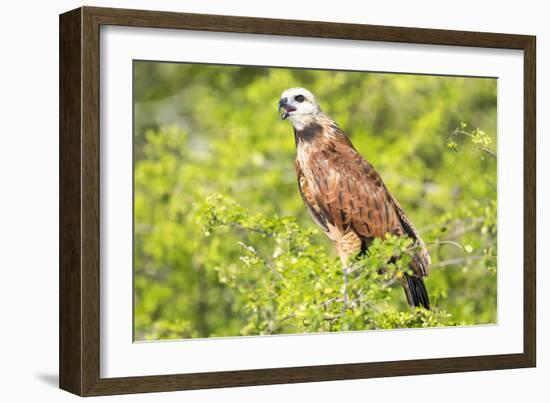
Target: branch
x,y
491,153
456,261
252,251
473,137
435,243
447,242
454,223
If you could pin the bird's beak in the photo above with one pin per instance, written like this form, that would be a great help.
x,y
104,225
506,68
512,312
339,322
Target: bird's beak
x,y
283,104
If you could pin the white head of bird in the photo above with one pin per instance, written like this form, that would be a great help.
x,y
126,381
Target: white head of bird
x,y
300,107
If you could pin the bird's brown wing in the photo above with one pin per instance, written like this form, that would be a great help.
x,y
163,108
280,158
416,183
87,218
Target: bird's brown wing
x,y
349,194
309,199
422,258
345,192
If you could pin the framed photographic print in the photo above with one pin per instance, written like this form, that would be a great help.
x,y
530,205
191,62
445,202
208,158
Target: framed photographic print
x,y
249,201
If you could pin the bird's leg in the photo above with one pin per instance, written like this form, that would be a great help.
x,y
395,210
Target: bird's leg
x,y
348,246
345,289
345,299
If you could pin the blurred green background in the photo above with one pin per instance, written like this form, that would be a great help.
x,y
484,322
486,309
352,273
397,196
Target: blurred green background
x,y
203,130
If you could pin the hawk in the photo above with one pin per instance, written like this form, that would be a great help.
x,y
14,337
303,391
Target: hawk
x,y
345,195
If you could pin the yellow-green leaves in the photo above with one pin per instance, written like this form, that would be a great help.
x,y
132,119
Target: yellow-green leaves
x,y
223,244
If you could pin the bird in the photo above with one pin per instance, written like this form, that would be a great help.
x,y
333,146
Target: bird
x,y
345,195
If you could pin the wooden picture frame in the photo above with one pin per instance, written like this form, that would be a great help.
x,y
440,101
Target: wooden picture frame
x,y
80,199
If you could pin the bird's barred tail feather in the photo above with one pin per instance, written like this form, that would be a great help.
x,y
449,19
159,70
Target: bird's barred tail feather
x,y
415,291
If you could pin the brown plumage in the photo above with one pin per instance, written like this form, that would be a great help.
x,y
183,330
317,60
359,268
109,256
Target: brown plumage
x,y
345,195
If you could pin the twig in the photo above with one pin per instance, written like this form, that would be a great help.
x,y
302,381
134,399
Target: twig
x,y
329,301
252,229
491,153
456,261
472,220
390,282
484,149
435,243
251,250
447,242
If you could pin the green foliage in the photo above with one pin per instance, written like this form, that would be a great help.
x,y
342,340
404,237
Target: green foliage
x,y
478,138
223,244
288,284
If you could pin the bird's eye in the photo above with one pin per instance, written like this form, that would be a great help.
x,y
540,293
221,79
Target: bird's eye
x,y
299,98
